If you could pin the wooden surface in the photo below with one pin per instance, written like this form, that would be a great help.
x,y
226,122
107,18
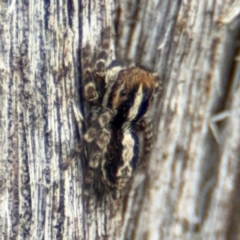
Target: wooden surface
x,y
189,187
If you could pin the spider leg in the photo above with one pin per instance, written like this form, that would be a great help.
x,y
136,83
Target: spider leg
x,y
94,62
78,149
146,126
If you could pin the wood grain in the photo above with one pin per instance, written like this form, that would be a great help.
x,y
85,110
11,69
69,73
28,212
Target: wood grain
x,y
189,187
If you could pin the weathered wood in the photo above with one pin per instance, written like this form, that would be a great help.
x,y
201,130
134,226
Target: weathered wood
x,y
188,187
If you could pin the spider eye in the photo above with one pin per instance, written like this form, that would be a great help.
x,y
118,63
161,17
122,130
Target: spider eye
x,y
123,93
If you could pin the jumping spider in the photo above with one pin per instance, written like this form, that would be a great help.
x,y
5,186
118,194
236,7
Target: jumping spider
x,y
119,97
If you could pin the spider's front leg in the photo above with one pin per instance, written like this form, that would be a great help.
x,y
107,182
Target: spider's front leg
x,y
94,63
90,85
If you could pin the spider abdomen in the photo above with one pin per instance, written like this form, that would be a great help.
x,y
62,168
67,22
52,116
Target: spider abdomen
x,y
121,158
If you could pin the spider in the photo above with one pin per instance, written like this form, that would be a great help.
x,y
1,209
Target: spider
x,y
119,97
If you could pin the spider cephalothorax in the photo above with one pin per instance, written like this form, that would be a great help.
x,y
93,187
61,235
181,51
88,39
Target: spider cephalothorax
x,y
119,97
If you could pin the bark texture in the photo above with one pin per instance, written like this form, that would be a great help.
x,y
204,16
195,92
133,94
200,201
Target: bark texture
x,y
189,187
